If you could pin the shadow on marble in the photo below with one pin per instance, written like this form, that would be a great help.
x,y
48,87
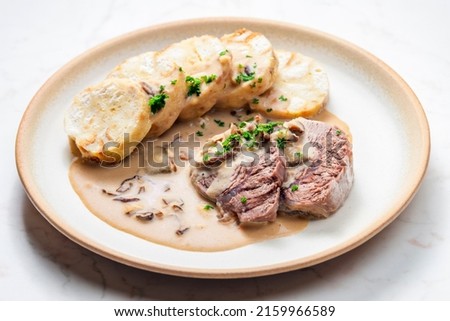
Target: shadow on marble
x,y
106,279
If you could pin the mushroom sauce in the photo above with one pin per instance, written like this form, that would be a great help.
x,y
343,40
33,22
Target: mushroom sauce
x,y
150,195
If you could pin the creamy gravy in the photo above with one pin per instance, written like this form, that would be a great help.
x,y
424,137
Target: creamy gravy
x,y
164,208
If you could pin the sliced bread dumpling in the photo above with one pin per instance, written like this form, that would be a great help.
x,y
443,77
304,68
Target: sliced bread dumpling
x,y
206,70
163,81
106,121
300,88
254,67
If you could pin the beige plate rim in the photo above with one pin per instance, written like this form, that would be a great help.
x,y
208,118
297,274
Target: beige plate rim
x,y
24,166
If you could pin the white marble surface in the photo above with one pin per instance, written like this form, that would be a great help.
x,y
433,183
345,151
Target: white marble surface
x,y
409,260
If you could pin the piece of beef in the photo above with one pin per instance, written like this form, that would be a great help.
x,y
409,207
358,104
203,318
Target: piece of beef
x,y
300,167
202,179
254,191
248,187
319,185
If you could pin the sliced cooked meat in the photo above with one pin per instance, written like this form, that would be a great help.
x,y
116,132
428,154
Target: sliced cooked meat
x,y
253,191
255,169
248,188
319,185
202,180
242,172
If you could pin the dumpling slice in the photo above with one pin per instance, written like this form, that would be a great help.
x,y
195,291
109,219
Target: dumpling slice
x,y
300,88
106,121
254,67
164,83
206,69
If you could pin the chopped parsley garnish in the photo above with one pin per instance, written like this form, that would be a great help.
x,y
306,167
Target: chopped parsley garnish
x,y
199,133
298,155
173,82
157,102
248,135
259,80
248,56
249,138
193,86
227,144
294,188
243,77
203,125
240,66
267,127
253,85
269,110
219,122
223,53
254,65
243,199
255,101
208,79
206,157
338,132
208,207
282,98
281,142
180,69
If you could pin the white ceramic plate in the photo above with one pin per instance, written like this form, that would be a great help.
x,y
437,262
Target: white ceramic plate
x,y
391,150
